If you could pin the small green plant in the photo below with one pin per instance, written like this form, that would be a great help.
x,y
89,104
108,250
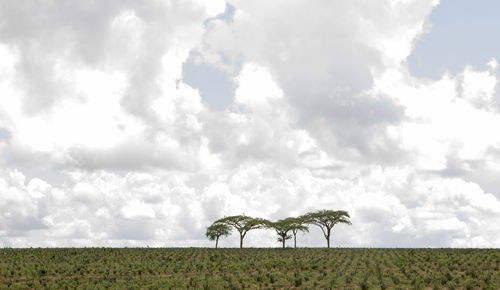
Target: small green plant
x,y
348,279
364,285
193,268
298,281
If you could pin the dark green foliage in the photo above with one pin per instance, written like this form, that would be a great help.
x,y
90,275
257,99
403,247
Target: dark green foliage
x,y
298,281
243,224
348,279
216,230
364,285
283,227
326,220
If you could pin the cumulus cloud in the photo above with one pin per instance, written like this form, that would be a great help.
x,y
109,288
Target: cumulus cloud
x,y
103,143
324,56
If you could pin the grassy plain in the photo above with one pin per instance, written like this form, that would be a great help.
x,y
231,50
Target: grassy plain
x,y
254,268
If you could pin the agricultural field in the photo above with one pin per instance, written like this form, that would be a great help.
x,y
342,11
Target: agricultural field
x,y
254,268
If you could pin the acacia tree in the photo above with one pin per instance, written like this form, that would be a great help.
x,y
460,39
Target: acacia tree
x,y
297,224
291,224
217,230
282,227
326,219
243,224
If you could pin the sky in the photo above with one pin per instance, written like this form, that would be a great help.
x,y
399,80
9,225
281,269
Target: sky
x,y
139,123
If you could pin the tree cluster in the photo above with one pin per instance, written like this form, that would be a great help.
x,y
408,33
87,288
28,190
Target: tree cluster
x,y
284,228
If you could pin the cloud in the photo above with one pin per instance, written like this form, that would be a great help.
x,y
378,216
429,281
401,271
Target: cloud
x,y
137,210
122,95
326,66
104,143
120,34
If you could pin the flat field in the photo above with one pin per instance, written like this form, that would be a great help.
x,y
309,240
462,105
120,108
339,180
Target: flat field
x,y
254,268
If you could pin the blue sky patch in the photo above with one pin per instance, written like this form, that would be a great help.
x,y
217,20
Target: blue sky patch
x,y
215,86
463,33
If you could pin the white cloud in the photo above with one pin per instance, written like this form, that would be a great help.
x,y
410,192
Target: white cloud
x,y
108,146
137,210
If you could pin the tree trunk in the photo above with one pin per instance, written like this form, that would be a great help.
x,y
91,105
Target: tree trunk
x,y
294,241
283,243
216,242
241,241
328,238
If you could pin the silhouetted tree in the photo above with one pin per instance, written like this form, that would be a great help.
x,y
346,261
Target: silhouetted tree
x,y
297,224
282,228
217,230
243,224
326,219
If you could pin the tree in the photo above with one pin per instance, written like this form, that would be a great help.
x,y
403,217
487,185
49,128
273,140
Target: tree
x,y
217,230
291,224
326,219
297,224
282,227
243,224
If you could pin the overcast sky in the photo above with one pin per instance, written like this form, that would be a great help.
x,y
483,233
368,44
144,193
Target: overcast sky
x,y
134,123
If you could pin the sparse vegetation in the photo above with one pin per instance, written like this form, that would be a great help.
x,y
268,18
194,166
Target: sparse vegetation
x,y
199,268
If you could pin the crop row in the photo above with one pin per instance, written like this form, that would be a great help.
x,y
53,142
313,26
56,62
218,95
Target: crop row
x,y
163,268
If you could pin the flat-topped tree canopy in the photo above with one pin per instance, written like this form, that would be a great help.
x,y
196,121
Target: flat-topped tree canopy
x,y
290,224
216,230
243,224
282,227
297,224
326,220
